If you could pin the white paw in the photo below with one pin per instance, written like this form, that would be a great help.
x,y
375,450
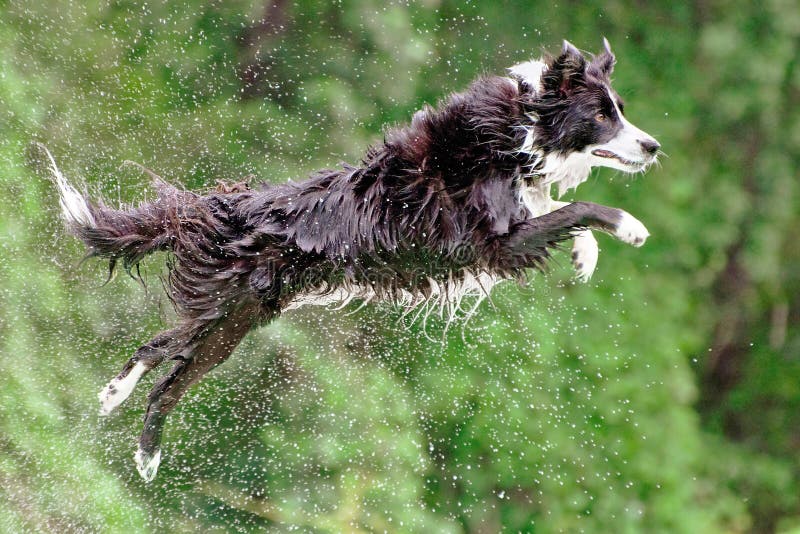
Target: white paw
x,y
119,389
584,255
147,464
630,230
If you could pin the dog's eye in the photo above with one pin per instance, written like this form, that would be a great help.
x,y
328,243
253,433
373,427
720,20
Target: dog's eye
x,y
600,117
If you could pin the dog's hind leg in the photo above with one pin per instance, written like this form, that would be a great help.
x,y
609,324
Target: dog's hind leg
x,y
215,345
146,358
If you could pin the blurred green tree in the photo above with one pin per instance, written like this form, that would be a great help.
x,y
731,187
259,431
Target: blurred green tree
x,y
662,397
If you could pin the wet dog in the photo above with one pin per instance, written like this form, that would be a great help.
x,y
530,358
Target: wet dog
x,y
444,207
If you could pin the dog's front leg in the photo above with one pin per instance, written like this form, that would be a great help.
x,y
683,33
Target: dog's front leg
x,y
625,227
528,241
585,250
621,224
585,253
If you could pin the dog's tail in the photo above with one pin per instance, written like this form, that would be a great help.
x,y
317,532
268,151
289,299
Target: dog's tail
x,y
125,235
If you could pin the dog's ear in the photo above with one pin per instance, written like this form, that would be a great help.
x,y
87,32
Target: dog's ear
x,y
570,49
602,65
566,72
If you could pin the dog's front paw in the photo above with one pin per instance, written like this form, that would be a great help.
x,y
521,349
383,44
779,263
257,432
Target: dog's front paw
x,y
630,230
584,255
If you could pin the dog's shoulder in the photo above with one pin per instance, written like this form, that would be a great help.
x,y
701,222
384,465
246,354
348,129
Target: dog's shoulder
x,y
468,135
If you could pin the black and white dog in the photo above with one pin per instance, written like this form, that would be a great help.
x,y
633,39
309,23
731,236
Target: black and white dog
x,y
449,205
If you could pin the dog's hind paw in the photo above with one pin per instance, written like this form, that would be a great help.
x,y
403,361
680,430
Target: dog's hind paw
x,y
630,230
147,463
584,255
119,389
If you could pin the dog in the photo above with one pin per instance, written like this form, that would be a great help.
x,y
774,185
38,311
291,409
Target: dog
x,y
446,206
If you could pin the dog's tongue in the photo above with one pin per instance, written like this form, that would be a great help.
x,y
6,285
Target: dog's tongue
x,y
603,153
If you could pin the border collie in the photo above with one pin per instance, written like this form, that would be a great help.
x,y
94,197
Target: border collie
x,y
445,207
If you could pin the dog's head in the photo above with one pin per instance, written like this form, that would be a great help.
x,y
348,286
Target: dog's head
x,y
577,117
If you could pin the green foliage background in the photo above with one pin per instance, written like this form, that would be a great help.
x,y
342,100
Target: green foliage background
x,y
661,397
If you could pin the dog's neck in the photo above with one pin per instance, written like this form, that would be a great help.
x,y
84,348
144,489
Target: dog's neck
x,y
568,172
543,170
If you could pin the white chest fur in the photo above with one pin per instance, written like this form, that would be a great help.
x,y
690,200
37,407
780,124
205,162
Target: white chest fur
x,y
536,198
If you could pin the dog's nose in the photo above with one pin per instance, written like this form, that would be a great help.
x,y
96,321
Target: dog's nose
x,y
650,146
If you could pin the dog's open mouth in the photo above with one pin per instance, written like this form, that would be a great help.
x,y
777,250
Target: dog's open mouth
x,y
599,152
